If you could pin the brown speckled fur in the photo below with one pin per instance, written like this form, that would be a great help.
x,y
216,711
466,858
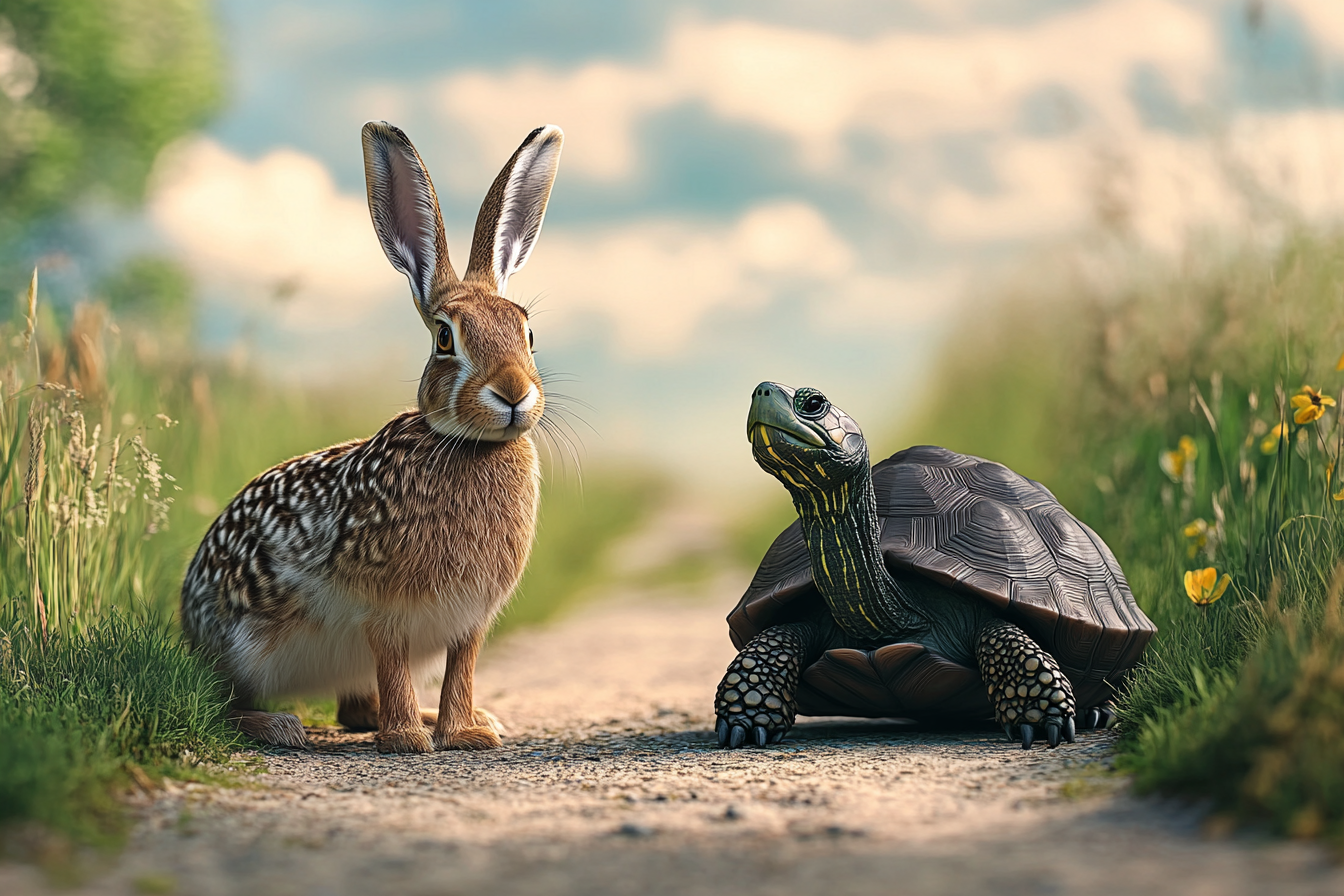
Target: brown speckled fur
x,y
354,568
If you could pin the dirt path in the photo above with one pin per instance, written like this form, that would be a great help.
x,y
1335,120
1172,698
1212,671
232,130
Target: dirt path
x,y
609,783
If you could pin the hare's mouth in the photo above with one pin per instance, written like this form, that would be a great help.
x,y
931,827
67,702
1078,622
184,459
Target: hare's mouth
x,y
455,428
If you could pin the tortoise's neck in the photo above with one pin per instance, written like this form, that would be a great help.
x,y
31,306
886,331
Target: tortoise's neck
x,y
843,533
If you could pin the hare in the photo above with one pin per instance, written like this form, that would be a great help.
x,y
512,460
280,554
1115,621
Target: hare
x,y
353,569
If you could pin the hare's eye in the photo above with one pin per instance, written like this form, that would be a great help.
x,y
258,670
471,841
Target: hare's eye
x,y
530,342
444,342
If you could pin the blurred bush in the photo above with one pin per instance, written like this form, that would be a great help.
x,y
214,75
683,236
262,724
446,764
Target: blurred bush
x,y
90,91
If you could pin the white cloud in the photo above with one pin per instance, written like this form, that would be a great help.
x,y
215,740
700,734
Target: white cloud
x,y
814,88
1324,18
656,280
276,223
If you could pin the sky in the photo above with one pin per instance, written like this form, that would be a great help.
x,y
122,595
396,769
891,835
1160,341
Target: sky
x,y
812,193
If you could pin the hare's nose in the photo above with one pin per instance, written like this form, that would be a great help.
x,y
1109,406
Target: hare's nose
x,y
519,404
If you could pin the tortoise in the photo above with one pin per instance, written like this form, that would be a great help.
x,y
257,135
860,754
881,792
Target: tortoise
x,y
935,586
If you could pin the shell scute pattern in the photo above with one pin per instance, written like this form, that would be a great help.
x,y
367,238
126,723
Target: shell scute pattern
x,y
981,528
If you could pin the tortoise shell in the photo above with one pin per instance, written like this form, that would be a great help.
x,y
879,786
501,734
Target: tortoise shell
x,y
979,528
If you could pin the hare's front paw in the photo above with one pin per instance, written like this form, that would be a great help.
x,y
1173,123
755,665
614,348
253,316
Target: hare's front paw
x,y
473,737
404,740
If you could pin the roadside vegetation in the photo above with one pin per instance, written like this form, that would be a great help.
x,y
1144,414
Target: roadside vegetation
x,y
1190,413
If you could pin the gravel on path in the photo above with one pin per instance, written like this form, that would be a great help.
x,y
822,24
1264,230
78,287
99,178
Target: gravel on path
x,y
610,783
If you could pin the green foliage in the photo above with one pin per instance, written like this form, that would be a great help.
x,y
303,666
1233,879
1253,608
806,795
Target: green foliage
x,y
93,90
1149,405
82,712
150,290
577,523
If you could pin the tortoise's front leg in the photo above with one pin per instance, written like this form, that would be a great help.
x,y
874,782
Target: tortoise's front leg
x,y
1025,684
757,699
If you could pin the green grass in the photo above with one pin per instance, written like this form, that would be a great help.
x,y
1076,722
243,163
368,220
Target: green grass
x,y
1084,382
86,713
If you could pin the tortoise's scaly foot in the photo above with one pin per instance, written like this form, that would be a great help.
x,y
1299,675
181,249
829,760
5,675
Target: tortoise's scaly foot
x,y
1031,696
755,703
1103,715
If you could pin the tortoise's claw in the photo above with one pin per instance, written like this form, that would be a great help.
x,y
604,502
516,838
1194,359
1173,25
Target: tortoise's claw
x,y
1105,717
1070,731
737,737
1052,735
1008,730
1093,716
776,737
760,735
722,731
1028,736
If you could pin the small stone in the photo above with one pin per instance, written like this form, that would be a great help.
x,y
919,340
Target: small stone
x,y
1057,696
731,694
1032,664
734,708
1035,691
1044,704
753,698
634,830
731,813
773,702
754,679
1045,678
748,663
784,657
776,718
1034,715
1021,690
733,678
1012,713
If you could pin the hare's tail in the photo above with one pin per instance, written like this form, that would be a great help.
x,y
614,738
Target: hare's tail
x,y
279,729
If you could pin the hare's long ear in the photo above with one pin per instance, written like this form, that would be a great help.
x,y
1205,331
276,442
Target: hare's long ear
x,y
510,218
405,210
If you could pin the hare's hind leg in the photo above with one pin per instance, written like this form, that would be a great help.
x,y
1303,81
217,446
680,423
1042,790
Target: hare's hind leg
x,y
359,712
400,727
280,729
460,725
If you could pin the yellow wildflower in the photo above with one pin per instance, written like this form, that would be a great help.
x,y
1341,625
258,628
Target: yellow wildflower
x,y
1204,587
1173,462
1198,533
1310,405
1270,443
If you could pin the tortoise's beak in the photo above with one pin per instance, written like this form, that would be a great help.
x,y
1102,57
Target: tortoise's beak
x,y
772,405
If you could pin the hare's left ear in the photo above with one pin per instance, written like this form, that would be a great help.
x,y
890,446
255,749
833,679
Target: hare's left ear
x,y
510,217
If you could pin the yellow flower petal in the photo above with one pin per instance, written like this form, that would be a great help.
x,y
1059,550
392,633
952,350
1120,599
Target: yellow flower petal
x,y
1195,529
1172,463
1327,400
1339,495
1309,414
1191,586
1187,447
1339,365
1222,587
1300,401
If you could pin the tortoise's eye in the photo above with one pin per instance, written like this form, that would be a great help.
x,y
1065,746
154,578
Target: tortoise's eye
x,y
443,343
810,404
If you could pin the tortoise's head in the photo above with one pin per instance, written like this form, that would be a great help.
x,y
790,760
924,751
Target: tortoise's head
x,y
803,440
